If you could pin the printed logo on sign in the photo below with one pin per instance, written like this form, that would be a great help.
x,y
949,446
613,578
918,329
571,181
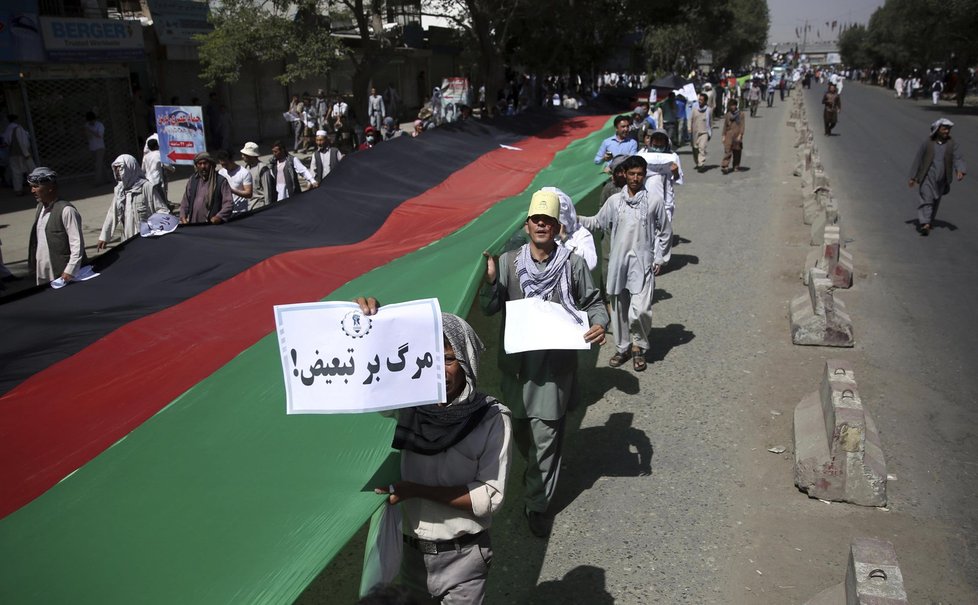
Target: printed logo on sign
x,y
356,325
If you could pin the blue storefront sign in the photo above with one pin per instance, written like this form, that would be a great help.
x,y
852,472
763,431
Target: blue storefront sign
x,y
92,40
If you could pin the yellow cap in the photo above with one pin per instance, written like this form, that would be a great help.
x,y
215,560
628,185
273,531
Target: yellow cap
x,y
546,203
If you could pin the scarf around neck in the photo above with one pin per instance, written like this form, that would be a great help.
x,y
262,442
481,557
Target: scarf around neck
x,y
432,429
554,278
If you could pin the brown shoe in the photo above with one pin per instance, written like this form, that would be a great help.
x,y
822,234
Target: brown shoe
x,y
638,361
619,358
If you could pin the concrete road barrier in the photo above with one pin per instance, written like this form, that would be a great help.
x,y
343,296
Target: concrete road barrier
x,y
838,455
818,318
873,577
832,258
814,202
826,216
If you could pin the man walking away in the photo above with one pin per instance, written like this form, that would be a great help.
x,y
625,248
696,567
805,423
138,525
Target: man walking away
x,y
937,159
95,133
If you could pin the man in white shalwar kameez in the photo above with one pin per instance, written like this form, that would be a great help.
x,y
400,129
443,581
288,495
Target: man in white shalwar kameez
x,y
641,240
664,172
135,199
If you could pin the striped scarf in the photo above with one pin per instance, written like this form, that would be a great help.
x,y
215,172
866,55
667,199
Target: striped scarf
x,y
543,284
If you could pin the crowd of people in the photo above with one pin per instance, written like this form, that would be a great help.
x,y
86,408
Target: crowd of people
x,y
456,455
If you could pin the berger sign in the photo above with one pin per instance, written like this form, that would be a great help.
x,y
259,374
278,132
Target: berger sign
x,y
92,39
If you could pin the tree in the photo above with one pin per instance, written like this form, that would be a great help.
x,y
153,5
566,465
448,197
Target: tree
x,y
853,46
744,34
245,31
298,34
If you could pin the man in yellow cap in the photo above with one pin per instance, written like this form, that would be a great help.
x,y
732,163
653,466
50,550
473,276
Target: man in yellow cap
x,y
541,384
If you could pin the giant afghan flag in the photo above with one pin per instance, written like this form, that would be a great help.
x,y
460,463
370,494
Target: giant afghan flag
x,y
145,453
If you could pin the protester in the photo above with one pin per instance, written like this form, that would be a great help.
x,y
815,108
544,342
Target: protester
x,y
262,182
616,181
153,167
20,157
701,129
294,115
663,172
454,462
937,160
573,235
389,129
239,180
286,170
135,198
619,144
375,109
95,134
641,238
207,198
754,97
733,137
324,157
392,100
832,103
371,138
539,385
56,247
936,88
670,116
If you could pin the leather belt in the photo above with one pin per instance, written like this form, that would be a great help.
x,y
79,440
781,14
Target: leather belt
x,y
433,547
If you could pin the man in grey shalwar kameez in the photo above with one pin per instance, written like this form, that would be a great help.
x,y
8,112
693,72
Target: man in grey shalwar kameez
x,y
539,385
641,240
937,160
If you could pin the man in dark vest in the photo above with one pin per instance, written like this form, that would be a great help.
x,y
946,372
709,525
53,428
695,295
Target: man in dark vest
x,y
938,159
286,169
207,198
56,248
324,157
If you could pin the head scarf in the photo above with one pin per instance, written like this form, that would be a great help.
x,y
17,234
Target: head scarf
x,y
130,183
938,123
130,172
432,429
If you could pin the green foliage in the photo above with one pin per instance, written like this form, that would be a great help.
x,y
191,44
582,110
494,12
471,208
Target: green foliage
x,y
745,33
853,46
245,31
906,34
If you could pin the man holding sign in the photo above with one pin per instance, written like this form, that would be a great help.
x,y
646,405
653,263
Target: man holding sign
x,y
538,384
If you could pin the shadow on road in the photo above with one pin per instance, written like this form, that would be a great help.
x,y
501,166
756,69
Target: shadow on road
x,y
678,261
666,339
614,449
583,584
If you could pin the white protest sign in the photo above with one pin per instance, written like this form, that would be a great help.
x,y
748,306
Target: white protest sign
x,y
335,359
534,324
